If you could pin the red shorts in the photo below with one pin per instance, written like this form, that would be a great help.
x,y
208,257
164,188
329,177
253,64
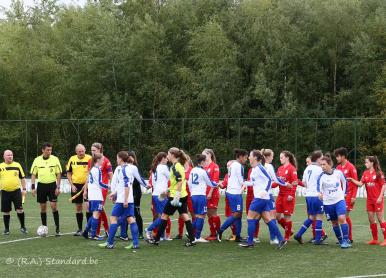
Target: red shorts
x,y
372,206
248,203
284,206
349,206
212,203
228,211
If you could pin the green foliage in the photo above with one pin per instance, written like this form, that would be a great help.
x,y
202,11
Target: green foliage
x,y
128,60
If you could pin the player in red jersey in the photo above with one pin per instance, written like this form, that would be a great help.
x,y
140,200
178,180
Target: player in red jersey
x,y
285,202
188,167
107,174
228,211
212,194
349,171
374,181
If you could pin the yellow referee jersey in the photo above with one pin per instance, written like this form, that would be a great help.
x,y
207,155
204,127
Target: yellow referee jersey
x,y
78,168
177,174
10,175
46,169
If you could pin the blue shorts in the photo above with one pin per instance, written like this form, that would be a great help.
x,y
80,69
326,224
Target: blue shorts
x,y
335,210
199,204
95,206
260,205
235,202
159,205
272,205
314,206
119,210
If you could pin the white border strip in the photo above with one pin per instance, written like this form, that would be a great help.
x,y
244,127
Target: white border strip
x,y
365,276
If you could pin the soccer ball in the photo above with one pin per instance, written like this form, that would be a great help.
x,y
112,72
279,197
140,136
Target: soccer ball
x,y
42,231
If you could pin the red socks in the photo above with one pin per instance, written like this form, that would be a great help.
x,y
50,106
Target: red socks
x,y
216,224
383,228
102,218
374,230
168,227
288,229
348,219
233,228
181,224
282,222
211,226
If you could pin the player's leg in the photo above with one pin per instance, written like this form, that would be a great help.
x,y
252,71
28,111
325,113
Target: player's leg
x,y
200,209
272,226
79,217
373,228
228,213
138,216
307,222
382,224
280,212
41,198
288,211
103,217
6,207
117,211
253,217
349,208
133,226
18,204
54,207
231,219
345,230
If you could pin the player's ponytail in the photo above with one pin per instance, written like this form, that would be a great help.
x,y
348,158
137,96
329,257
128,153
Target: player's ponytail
x,y
291,158
132,158
179,155
266,153
377,167
157,159
124,156
259,156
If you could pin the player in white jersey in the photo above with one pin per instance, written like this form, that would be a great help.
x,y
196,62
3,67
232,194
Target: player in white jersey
x,y
198,181
234,192
93,189
331,187
261,204
315,209
122,192
160,175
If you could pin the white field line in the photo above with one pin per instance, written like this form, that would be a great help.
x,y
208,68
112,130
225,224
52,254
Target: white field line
x,y
365,276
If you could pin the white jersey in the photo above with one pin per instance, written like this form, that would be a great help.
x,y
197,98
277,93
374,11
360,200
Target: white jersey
x,y
272,175
134,170
310,179
261,182
122,178
198,181
330,185
235,178
160,179
95,185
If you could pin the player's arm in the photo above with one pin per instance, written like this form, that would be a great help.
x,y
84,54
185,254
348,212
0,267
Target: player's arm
x,y
180,177
319,186
382,194
354,175
209,181
139,178
34,172
343,181
69,176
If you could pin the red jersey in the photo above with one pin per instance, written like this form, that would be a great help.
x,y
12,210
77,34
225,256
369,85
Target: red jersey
x,y
373,183
106,169
214,174
250,188
349,171
287,174
225,181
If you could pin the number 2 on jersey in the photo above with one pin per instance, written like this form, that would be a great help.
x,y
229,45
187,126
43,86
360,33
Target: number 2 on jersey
x,y
194,178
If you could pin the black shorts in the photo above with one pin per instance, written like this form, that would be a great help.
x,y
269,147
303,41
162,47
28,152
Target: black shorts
x,y
170,209
46,191
79,199
9,197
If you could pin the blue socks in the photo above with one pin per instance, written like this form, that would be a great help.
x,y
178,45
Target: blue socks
x,y
198,224
123,224
304,228
155,224
238,226
344,228
251,229
274,230
134,233
88,225
94,226
112,232
318,230
338,233
229,221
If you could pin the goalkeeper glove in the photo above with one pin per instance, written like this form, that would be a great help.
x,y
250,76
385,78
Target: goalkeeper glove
x,y
176,200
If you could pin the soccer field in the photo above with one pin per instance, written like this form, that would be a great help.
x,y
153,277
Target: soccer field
x,y
41,257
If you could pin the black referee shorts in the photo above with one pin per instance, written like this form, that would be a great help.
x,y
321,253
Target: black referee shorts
x,y
170,209
9,197
46,192
79,199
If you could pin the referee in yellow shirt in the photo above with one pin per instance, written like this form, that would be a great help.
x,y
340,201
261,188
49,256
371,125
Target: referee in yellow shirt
x,y
48,171
11,175
77,174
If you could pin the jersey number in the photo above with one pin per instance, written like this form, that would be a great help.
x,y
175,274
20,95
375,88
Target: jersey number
x,y
194,178
309,175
